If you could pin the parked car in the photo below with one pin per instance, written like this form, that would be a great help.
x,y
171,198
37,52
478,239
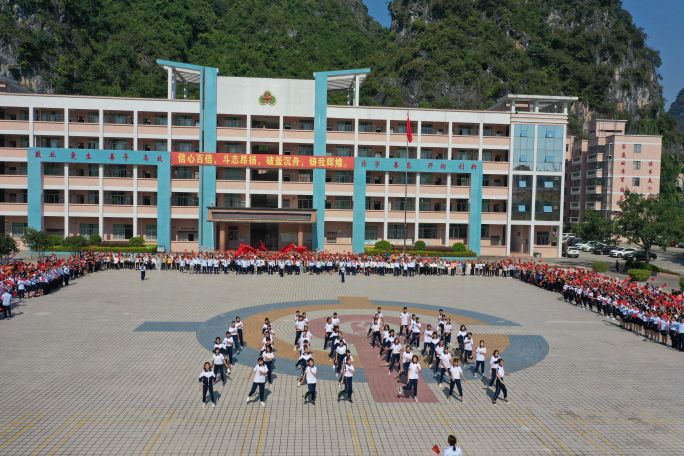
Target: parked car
x,y
639,256
680,245
603,249
621,251
572,252
583,246
588,246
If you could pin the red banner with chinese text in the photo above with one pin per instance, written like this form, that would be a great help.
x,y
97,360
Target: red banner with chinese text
x,y
260,161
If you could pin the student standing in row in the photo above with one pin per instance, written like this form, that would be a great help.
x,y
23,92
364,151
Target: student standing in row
x,y
413,375
311,380
219,364
269,359
7,304
206,384
347,379
259,381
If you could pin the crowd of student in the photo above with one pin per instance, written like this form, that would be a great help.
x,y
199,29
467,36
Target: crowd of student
x,y
399,350
646,309
23,280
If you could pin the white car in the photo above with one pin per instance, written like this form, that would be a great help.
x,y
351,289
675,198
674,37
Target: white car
x,y
572,252
620,251
584,246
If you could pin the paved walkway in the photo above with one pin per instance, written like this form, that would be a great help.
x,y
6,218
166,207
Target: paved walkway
x,y
109,365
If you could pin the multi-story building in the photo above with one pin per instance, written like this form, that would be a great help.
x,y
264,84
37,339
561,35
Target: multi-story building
x,y
268,160
599,169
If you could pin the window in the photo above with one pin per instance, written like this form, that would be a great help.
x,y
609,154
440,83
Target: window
x,y
542,238
52,196
306,125
399,204
184,199
184,172
53,169
365,127
88,229
460,205
346,125
187,236
151,232
427,231
371,233
232,174
120,198
458,231
636,181
148,199
396,231
234,148
232,122
340,202
305,202
484,232
232,200
122,231
426,129
636,165
331,237
637,148
18,228
116,171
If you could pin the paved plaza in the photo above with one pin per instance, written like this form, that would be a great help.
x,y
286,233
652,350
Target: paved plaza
x,y
109,365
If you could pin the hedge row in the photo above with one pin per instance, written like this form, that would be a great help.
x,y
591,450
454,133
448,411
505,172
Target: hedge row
x,y
600,266
427,253
106,248
639,275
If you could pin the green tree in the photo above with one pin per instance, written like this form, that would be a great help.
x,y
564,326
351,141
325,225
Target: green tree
x,y
595,227
649,221
36,240
8,246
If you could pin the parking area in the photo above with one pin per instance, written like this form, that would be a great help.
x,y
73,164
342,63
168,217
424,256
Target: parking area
x,y
671,259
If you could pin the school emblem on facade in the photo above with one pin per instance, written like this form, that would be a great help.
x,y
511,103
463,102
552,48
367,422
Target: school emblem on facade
x,y
267,98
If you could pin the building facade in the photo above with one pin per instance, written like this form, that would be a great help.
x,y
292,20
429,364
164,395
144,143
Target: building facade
x,y
259,160
599,169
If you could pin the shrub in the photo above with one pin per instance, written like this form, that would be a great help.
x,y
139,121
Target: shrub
x,y
424,253
117,249
459,247
75,242
136,241
599,266
95,239
641,265
53,239
420,246
681,283
639,275
383,245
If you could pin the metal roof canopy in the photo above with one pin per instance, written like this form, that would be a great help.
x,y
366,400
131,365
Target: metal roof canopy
x,y
349,80
177,71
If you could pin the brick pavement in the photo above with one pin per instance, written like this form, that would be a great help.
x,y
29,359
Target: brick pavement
x,y
80,377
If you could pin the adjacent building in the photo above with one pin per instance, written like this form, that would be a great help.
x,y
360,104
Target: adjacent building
x,y
263,160
599,169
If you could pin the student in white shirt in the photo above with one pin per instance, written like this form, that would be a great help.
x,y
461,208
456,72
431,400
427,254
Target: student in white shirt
x,y
404,317
500,383
346,378
259,381
427,340
439,351
395,352
219,364
411,387
468,346
480,353
456,374
269,359
493,366
452,449
375,332
406,357
328,331
206,384
416,325
340,351
311,379
444,365
240,326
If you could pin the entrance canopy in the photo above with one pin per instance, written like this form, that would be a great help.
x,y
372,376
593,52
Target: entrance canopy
x,y
262,215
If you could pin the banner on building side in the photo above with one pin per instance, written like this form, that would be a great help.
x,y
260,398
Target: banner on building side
x,y
260,161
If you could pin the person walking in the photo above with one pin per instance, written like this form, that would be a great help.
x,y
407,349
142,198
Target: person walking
x,y
259,381
219,364
346,378
411,387
480,353
7,304
456,374
493,366
500,386
310,376
142,271
206,384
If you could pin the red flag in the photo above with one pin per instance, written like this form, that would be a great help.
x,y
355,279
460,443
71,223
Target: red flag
x,y
436,449
409,133
262,246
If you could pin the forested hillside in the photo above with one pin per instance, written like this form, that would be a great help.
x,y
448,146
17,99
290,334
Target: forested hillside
x,y
437,53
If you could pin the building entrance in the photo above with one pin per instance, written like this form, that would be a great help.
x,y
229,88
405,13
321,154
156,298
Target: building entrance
x,y
264,232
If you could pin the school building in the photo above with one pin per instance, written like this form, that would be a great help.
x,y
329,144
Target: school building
x,y
271,160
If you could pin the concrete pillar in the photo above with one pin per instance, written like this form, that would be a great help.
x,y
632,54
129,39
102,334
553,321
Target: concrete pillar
x,y
222,236
300,235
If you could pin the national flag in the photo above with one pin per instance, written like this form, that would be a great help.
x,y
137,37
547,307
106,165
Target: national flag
x,y
436,449
409,133
262,246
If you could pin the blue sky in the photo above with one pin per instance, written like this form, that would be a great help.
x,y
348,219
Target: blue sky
x,y
661,20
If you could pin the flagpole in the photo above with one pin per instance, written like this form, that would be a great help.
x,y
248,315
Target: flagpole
x,y
406,183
